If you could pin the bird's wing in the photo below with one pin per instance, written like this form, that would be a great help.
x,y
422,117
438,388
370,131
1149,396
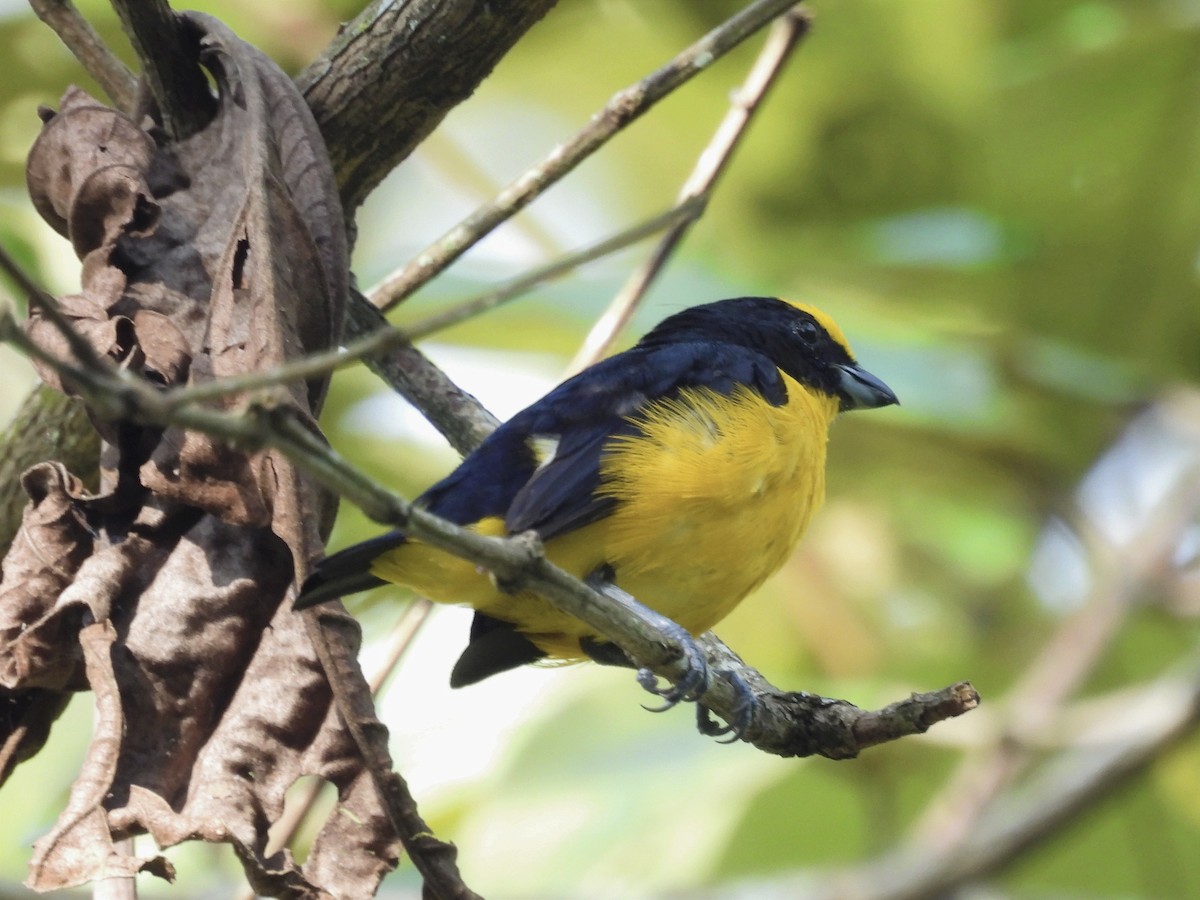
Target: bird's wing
x,y
573,424
485,482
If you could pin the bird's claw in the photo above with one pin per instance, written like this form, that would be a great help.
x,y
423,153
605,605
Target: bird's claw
x,y
692,686
695,680
745,706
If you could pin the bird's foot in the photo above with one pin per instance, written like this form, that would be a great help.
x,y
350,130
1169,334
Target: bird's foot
x,y
695,681
696,678
745,707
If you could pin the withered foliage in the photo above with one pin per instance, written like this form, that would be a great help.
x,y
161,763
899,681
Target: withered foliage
x,y
167,593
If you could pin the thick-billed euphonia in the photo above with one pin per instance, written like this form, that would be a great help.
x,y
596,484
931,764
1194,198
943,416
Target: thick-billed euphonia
x,y
684,469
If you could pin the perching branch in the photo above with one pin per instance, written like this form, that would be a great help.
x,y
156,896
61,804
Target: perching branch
x,y
796,723
791,724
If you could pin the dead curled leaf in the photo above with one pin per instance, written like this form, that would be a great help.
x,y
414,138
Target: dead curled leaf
x,y
167,592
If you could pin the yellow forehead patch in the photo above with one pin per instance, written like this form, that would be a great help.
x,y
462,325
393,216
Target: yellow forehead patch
x,y
825,321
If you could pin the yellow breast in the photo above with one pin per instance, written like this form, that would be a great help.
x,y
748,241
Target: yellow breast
x,y
714,497
711,499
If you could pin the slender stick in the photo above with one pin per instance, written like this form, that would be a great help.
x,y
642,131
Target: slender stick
x,y
41,300
1063,664
566,264
785,36
93,54
460,418
387,338
623,108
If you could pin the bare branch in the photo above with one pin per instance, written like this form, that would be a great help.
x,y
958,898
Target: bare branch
x,y
1064,787
455,413
785,36
623,108
790,723
386,338
39,299
1057,672
562,266
117,887
85,45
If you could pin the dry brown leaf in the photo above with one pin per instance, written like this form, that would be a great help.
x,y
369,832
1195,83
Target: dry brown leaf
x,y
52,543
168,592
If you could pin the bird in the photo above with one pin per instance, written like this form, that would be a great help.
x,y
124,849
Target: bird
x,y
682,471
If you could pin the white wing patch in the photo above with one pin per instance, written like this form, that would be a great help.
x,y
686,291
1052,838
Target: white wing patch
x,y
544,447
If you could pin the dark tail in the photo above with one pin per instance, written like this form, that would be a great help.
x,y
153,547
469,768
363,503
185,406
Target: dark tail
x,y
346,572
496,646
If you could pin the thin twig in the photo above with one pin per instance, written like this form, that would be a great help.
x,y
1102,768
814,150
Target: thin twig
x,y
562,266
460,418
42,301
784,37
169,66
387,338
399,641
1064,787
623,108
33,293
1063,664
117,887
86,46
317,364
332,632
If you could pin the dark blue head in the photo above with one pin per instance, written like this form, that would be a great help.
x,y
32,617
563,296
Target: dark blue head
x,y
802,341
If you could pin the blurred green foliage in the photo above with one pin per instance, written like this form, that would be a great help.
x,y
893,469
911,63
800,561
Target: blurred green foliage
x,y
999,200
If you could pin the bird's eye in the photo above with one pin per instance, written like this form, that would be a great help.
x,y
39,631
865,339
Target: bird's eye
x,y
807,330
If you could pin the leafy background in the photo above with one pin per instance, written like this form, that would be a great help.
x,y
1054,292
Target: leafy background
x,y
997,199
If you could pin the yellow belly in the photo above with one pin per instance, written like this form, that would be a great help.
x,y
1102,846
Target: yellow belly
x,y
711,500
